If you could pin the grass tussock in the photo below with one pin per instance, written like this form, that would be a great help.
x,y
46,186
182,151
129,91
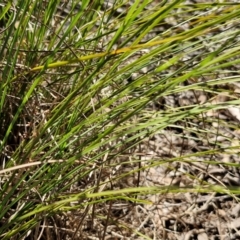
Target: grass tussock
x,y
90,91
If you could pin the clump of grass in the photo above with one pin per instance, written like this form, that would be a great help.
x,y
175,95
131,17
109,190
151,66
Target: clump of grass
x,y
77,104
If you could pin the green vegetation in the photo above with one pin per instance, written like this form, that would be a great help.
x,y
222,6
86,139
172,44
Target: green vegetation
x,y
79,87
